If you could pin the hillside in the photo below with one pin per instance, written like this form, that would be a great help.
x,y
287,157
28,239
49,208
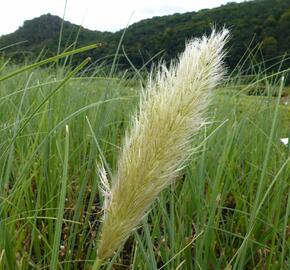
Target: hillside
x,y
265,22
43,33
253,22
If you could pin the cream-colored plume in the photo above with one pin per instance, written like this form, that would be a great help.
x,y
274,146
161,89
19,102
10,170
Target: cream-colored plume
x,y
159,141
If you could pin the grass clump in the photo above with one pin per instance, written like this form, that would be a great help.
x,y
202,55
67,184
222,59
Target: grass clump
x,y
218,215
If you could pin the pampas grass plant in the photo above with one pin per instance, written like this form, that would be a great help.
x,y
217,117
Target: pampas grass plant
x,y
159,142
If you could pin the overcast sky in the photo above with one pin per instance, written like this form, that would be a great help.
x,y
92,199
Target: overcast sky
x,y
96,15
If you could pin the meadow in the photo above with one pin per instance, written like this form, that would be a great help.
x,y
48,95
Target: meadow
x,y
229,209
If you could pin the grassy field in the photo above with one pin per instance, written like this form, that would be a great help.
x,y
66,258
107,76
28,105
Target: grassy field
x,y
228,210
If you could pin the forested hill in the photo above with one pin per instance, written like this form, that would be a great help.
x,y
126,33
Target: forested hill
x,y
265,22
44,32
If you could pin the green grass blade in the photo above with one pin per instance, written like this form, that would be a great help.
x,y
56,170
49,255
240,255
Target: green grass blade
x,y
61,205
48,60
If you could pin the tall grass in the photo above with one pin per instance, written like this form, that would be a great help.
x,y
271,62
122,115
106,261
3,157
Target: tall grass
x,y
229,210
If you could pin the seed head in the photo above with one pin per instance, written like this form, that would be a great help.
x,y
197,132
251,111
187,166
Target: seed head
x,y
159,141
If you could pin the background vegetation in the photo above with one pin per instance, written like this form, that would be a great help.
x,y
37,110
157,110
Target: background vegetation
x,y
260,24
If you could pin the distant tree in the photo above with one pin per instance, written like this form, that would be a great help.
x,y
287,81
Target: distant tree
x,y
270,46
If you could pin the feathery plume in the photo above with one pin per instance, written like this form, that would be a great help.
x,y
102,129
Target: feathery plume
x,y
104,187
160,138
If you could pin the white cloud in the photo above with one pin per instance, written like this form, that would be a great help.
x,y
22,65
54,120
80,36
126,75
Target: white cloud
x,y
102,15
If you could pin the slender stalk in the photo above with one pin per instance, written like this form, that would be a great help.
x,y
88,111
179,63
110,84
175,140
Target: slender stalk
x,y
61,28
61,206
48,60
